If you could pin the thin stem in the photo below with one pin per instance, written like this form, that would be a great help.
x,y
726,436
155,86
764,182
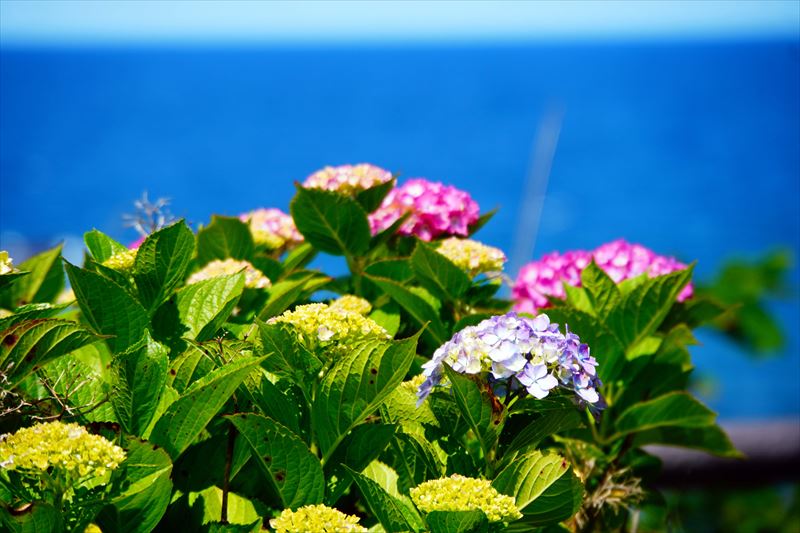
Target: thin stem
x,y
223,518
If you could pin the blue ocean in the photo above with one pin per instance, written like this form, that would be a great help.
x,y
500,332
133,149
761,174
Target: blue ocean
x,y
692,149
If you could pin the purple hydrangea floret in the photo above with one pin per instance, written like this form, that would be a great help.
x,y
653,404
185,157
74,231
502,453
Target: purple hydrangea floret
x,y
517,352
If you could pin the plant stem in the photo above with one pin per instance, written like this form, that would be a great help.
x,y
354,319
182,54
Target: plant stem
x,y
223,518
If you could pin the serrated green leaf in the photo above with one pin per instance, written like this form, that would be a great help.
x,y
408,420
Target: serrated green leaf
x,y
298,257
43,282
711,439
438,274
370,199
140,376
601,290
672,409
331,222
225,237
578,298
183,421
161,263
358,449
286,292
31,312
356,386
415,461
101,246
457,521
241,511
393,513
482,220
286,356
108,308
188,367
204,306
290,467
31,344
485,417
543,486
548,423
39,517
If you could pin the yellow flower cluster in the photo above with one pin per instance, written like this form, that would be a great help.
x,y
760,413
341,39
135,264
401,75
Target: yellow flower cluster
x,y
471,256
316,519
6,264
253,278
122,261
351,303
272,228
459,493
330,327
348,179
61,446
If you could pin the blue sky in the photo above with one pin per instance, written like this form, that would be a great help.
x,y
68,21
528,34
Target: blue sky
x,y
182,21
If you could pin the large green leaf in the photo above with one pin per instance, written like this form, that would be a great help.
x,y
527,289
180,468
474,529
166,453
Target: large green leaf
x,y
31,312
108,308
286,356
141,505
225,237
393,513
543,486
28,345
161,263
240,510
331,222
141,374
415,460
438,274
290,467
101,246
356,386
672,409
44,281
370,199
358,449
548,423
601,289
457,521
709,439
286,292
39,517
484,416
183,420
188,367
204,306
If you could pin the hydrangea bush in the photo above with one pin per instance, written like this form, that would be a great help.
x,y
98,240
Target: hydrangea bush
x,y
209,380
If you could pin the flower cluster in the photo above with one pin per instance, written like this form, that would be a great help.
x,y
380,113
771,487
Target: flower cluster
x,y
6,264
517,352
253,278
471,256
348,179
434,209
68,448
619,259
272,228
459,493
353,304
330,327
315,519
122,261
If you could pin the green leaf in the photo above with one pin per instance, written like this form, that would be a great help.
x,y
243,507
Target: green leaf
x,y
578,298
241,511
438,274
38,517
101,246
225,237
298,257
108,308
416,306
28,345
709,439
286,292
415,460
482,220
331,222
672,409
141,375
694,312
286,356
43,283
457,521
543,486
358,449
356,386
290,467
388,317
548,423
393,513
485,417
161,263
370,199
144,501
204,306
601,289
7,279
31,312
188,367
183,421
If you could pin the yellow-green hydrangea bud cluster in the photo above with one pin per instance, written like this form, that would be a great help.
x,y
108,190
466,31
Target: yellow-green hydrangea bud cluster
x,y
272,228
122,261
325,326
348,179
459,493
67,447
6,264
471,256
316,519
253,278
414,383
351,303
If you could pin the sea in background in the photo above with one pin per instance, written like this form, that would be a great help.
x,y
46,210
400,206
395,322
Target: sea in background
x,y
692,149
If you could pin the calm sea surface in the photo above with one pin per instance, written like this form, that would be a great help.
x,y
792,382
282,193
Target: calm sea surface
x,y
691,149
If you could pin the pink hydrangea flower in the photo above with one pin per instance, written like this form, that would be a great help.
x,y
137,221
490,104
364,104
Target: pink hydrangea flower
x,y
435,209
619,259
272,228
348,179
137,243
